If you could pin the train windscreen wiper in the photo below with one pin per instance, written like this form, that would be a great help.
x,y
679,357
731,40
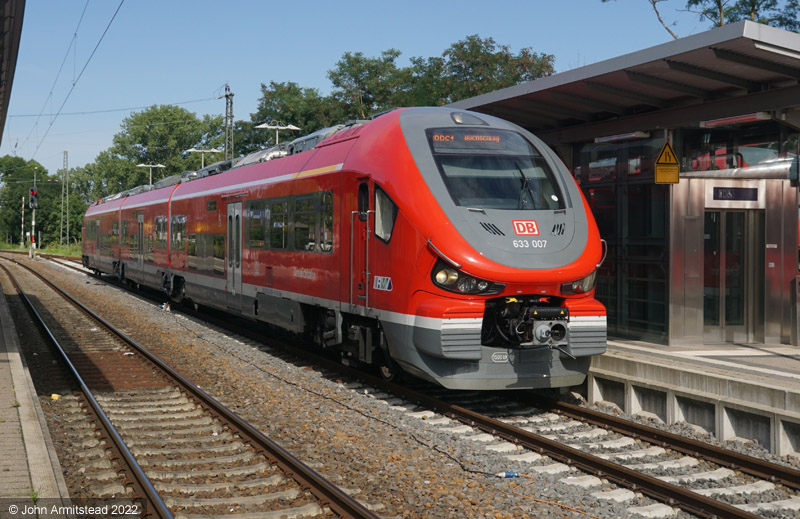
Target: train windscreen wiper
x,y
525,189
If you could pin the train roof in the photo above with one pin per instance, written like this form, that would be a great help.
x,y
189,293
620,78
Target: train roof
x,y
295,147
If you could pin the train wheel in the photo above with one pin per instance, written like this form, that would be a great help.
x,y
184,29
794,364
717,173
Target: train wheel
x,y
388,370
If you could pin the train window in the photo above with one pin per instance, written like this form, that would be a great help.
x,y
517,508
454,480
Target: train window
x,y
255,224
385,215
278,227
494,169
207,253
149,238
91,233
133,237
326,222
178,232
115,228
161,232
218,260
125,239
304,224
231,244
192,252
211,205
237,241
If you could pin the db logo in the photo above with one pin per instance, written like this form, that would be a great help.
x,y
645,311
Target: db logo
x,y
525,227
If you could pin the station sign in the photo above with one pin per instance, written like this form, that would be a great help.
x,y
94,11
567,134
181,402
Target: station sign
x,y
667,167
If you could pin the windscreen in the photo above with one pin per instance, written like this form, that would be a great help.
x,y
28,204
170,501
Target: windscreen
x,y
488,168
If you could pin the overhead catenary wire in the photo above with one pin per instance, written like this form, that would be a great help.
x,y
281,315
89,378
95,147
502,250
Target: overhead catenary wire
x,y
75,82
110,110
58,74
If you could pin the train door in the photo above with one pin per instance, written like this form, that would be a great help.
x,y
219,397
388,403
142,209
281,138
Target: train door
x,y
234,257
140,244
733,303
359,248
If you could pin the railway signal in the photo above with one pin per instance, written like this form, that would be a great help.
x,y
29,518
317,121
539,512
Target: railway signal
x,y
33,198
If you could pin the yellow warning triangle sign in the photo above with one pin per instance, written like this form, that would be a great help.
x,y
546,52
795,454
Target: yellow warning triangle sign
x,y
667,156
668,170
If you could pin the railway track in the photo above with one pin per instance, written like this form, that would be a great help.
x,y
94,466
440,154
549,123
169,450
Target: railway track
x,y
184,454
613,458
620,457
701,479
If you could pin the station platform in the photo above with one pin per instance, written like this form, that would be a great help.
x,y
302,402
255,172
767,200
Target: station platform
x,y
30,473
746,392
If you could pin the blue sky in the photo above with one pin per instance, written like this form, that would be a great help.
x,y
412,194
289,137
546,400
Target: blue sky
x,y
185,51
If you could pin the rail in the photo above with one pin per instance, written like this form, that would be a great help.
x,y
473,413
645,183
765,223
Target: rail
x,y
142,484
328,494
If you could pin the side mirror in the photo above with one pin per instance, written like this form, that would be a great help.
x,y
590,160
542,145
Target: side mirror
x,y
363,201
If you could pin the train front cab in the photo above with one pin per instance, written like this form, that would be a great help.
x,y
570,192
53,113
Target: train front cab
x,y
436,334
439,337
520,325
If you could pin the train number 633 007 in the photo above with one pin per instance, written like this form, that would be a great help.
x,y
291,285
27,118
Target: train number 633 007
x,y
532,244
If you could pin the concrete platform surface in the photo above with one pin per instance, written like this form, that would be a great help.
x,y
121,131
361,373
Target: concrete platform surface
x,y
29,469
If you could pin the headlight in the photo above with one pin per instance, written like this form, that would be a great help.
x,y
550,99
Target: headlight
x,y
446,277
581,286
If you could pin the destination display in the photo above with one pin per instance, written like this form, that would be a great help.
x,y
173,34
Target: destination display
x,y
458,140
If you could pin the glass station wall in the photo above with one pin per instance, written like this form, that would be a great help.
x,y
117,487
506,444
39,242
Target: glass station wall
x,y
740,146
632,213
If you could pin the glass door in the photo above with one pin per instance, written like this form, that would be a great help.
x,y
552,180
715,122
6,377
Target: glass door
x,y
234,271
733,276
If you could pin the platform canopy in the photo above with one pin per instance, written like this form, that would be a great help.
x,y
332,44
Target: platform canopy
x,y
11,14
739,68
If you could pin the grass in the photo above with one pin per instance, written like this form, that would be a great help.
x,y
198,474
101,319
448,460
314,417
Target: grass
x,y
74,249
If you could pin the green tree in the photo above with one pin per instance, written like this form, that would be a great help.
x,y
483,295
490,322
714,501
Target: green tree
x,y
247,138
365,85
158,135
475,66
17,176
286,103
783,14
108,174
428,83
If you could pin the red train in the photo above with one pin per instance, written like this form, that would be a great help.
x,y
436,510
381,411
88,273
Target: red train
x,y
451,244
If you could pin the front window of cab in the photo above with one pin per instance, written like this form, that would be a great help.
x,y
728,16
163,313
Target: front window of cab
x,y
487,168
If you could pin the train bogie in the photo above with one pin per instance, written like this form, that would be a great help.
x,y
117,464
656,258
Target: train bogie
x,y
453,245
